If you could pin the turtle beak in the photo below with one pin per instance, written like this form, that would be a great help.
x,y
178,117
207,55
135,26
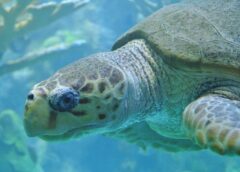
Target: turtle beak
x,y
36,113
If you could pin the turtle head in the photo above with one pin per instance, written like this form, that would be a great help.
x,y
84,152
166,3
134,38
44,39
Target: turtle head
x,y
84,97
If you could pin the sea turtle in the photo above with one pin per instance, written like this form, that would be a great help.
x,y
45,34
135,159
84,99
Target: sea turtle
x,y
170,82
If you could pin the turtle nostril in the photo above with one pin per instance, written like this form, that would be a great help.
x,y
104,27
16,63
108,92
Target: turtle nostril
x,y
30,96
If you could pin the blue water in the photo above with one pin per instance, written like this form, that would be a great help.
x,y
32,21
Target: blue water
x,y
95,26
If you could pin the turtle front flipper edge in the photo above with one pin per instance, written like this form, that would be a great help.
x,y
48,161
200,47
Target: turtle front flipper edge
x,y
213,121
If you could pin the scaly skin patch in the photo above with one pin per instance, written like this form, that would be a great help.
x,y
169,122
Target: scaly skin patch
x,y
100,85
214,122
107,83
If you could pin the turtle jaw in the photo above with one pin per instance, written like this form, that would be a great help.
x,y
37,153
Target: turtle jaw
x,y
39,117
73,133
41,120
36,113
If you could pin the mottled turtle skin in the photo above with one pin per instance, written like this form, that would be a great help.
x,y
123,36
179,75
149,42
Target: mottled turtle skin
x,y
171,82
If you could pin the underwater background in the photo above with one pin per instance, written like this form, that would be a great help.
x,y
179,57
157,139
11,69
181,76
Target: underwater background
x,y
35,41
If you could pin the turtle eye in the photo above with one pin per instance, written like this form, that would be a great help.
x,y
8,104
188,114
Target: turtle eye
x,y
63,99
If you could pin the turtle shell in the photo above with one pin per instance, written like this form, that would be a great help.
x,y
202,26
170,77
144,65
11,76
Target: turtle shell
x,y
205,32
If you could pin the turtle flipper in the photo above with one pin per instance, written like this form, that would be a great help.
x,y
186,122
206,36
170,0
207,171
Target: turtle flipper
x,y
214,122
